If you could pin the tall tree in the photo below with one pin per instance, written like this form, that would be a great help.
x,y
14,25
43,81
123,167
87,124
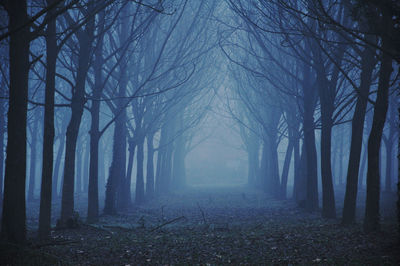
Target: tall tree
x,y
13,227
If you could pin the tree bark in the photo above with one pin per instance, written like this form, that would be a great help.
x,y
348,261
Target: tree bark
x,y
14,208
371,220
33,146
77,104
139,195
150,167
2,131
56,173
285,169
311,200
93,186
357,128
48,129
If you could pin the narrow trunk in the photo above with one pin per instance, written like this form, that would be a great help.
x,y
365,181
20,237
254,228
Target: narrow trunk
x,y
363,168
32,170
388,177
117,168
150,167
77,104
371,220
139,195
357,127
78,175
85,172
285,169
2,129
56,172
127,191
311,203
48,129
93,182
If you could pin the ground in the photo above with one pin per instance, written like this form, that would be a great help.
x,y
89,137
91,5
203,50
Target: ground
x,y
208,227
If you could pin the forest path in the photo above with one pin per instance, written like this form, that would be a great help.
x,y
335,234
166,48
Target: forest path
x,y
226,225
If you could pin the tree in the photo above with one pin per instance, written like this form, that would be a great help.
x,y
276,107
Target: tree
x,y
13,218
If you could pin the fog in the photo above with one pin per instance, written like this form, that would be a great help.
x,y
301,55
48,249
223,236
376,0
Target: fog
x,y
211,112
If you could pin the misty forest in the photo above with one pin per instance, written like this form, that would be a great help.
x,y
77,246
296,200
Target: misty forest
x,y
199,132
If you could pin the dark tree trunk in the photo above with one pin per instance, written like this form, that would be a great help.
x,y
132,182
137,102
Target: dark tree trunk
x,y
296,164
78,174
48,129
77,104
311,201
127,189
2,131
93,186
274,184
357,128
285,169
340,178
32,170
264,168
139,195
371,220
164,161
85,172
388,173
14,216
300,182
362,168
150,167
117,168
56,172
398,179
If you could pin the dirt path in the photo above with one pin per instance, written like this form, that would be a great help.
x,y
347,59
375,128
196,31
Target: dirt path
x,y
219,226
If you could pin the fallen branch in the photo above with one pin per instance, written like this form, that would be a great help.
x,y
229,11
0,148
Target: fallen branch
x,y
168,222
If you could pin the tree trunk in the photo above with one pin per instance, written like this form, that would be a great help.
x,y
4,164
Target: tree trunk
x,y
79,158
117,168
2,131
14,215
127,189
388,177
398,179
362,168
371,220
85,172
139,195
300,185
150,167
357,128
32,170
48,129
77,104
311,201
93,186
285,169
56,173
264,168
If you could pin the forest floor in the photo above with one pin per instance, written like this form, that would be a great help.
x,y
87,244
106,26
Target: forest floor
x,y
208,227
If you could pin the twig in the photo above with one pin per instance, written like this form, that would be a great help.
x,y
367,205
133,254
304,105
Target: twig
x,y
168,222
202,213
